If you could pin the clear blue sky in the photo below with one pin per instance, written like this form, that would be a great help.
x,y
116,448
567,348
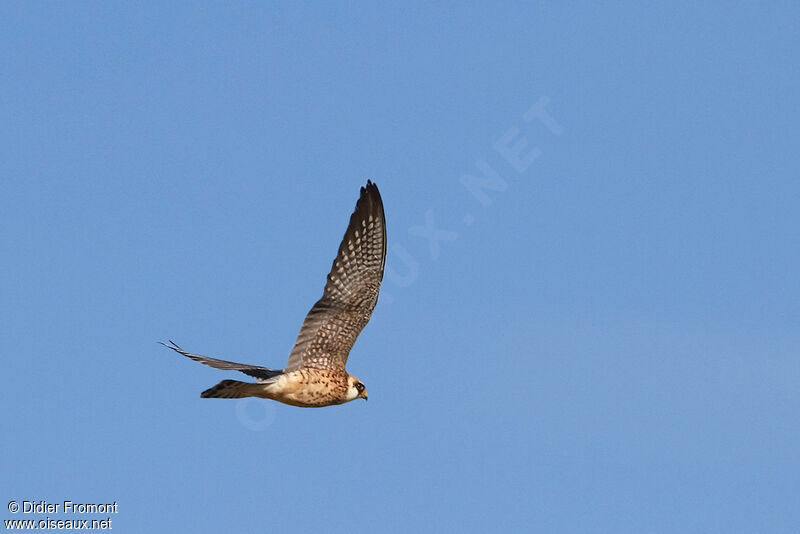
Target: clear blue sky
x,y
603,336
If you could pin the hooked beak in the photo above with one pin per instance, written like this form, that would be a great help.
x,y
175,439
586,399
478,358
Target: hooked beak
x,y
364,395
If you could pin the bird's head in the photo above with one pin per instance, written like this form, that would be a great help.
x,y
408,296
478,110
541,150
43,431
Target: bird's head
x,y
355,389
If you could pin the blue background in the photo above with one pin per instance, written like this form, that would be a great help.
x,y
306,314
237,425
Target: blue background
x,y
603,340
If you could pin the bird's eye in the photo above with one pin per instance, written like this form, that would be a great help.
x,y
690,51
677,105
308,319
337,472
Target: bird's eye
x,y
360,386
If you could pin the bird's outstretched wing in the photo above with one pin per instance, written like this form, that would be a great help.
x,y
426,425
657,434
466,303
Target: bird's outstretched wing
x,y
331,327
251,370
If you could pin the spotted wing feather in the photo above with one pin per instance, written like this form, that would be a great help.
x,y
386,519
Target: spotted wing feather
x,y
351,291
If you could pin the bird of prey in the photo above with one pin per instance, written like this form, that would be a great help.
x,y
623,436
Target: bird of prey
x,y
315,375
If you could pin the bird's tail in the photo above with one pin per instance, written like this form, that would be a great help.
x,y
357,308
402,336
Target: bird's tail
x,y
233,389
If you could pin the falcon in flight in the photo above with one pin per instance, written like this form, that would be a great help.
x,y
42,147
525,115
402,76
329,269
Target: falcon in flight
x,y
315,375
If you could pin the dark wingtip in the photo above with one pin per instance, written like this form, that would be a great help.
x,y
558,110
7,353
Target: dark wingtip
x,y
171,345
370,190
